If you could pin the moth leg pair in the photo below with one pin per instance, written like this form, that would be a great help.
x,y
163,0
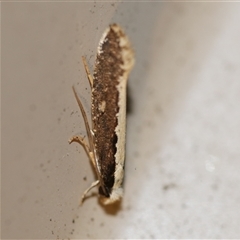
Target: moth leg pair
x,y
79,139
89,149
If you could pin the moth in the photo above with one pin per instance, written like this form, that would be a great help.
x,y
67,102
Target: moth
x,y
106,133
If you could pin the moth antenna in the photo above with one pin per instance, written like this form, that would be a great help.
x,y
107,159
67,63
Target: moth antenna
x,y
90,140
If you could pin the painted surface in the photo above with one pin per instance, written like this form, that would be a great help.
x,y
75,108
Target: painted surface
x,y
182,160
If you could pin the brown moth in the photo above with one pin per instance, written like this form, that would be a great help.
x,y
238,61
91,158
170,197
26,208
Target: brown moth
x,y
106,135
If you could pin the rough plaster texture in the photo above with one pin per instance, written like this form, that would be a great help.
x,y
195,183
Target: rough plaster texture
x,y
183,158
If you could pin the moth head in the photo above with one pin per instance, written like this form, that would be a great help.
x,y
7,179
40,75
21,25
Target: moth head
x,y
115,196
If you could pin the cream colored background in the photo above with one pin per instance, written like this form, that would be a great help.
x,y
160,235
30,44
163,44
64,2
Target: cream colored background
x,y
183,157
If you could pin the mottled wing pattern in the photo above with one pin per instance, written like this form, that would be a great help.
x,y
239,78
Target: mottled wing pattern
x,y
108,73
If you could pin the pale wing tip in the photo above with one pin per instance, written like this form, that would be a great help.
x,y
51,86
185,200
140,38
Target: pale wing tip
x,y
125,44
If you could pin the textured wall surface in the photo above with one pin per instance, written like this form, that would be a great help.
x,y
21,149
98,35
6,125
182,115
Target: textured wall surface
x,y
182,164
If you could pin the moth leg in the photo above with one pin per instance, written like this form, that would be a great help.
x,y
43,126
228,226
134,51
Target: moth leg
x,y
88,148
94,184
83,143
90,78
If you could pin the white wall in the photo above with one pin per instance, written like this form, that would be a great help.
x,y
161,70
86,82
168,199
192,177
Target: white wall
x,y
182,164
